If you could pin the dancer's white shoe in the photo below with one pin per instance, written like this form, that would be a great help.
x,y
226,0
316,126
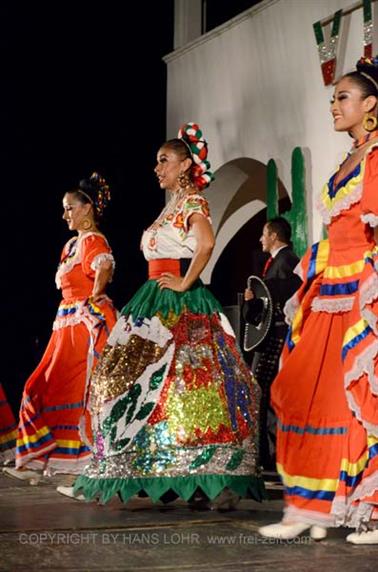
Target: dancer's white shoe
x,y
283,531
23,474
69,492
368,537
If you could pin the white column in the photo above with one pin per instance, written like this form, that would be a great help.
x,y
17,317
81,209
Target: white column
x,y
188,21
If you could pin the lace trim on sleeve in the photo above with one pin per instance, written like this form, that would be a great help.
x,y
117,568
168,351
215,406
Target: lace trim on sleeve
x,y
194,204
68,264
370,219
100,258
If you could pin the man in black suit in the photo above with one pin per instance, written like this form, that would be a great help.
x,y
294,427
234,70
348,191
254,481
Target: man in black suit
x,y
281,282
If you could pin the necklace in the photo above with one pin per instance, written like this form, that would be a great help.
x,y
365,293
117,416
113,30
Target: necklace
x,y
362,140
170,208
167,215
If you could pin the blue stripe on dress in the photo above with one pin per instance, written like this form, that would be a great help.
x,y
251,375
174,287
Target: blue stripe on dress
x,y
71,450
308,494
332,192
350,481
66,311
312,430
64,428
312,265
353,342
373,451
64,406
29,445
339,289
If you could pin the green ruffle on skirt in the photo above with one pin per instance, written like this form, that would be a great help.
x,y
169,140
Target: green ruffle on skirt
x,y
149,300
184,487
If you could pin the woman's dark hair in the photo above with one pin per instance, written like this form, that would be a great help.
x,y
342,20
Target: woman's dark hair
x,y
366,86
179,147
281,227
93,191
366,77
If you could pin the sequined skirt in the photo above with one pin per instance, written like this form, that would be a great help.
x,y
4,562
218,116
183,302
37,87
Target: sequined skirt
x,y
172,399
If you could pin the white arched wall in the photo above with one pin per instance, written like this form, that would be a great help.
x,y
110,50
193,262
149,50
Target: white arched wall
x,y
228,231
237,195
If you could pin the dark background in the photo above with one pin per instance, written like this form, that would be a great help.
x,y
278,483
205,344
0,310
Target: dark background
x,y
72,86
78,94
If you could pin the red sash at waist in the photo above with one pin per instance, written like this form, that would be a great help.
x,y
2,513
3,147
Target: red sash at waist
x,y
176,266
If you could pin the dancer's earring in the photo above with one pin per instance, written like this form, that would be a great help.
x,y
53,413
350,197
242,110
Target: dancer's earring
x,y
183,180
370,122
87,224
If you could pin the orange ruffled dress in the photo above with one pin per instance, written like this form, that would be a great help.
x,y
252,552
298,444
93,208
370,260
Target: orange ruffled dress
x,y
52,427
326,394
8,429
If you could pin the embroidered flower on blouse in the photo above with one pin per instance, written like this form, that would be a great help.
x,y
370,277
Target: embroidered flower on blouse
x,y
179,221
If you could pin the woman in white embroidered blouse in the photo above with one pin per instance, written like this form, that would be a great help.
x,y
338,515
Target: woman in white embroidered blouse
x,y
174,406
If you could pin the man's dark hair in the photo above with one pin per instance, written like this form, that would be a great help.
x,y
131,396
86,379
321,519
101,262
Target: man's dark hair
x,y
281,227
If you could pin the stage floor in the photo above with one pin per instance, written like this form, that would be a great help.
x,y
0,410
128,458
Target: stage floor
x,y
41,530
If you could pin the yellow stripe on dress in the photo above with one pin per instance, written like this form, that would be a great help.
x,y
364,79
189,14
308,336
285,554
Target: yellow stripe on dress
x,y
345,270
12,435
354,331
343,191
354,469
308,483
69,444
33,438
322,256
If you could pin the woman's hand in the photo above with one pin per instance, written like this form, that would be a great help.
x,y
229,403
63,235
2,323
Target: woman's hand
x,y
99,298
248,294
168,280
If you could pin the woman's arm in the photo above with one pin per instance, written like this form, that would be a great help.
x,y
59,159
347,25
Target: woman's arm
x,y
102,278
205,242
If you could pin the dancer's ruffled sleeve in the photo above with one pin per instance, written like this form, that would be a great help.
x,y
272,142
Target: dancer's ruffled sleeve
x,y
369,201
95,250
194,204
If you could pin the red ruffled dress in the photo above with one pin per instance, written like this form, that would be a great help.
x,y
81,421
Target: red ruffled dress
x,y
326,394
52,427
8,429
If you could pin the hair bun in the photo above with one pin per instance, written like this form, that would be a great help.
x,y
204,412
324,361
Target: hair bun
x,y
192,136
190,132
97,190
369,67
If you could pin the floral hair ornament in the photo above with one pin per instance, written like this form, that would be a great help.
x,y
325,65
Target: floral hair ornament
x,y
365,65
103,193
191,135
100,191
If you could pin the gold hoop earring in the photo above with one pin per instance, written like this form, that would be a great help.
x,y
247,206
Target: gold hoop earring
x,y
183,180
86,224
369,122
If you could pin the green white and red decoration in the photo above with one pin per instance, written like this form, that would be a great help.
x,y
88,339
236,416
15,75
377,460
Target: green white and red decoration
x,y
328,49
368,28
